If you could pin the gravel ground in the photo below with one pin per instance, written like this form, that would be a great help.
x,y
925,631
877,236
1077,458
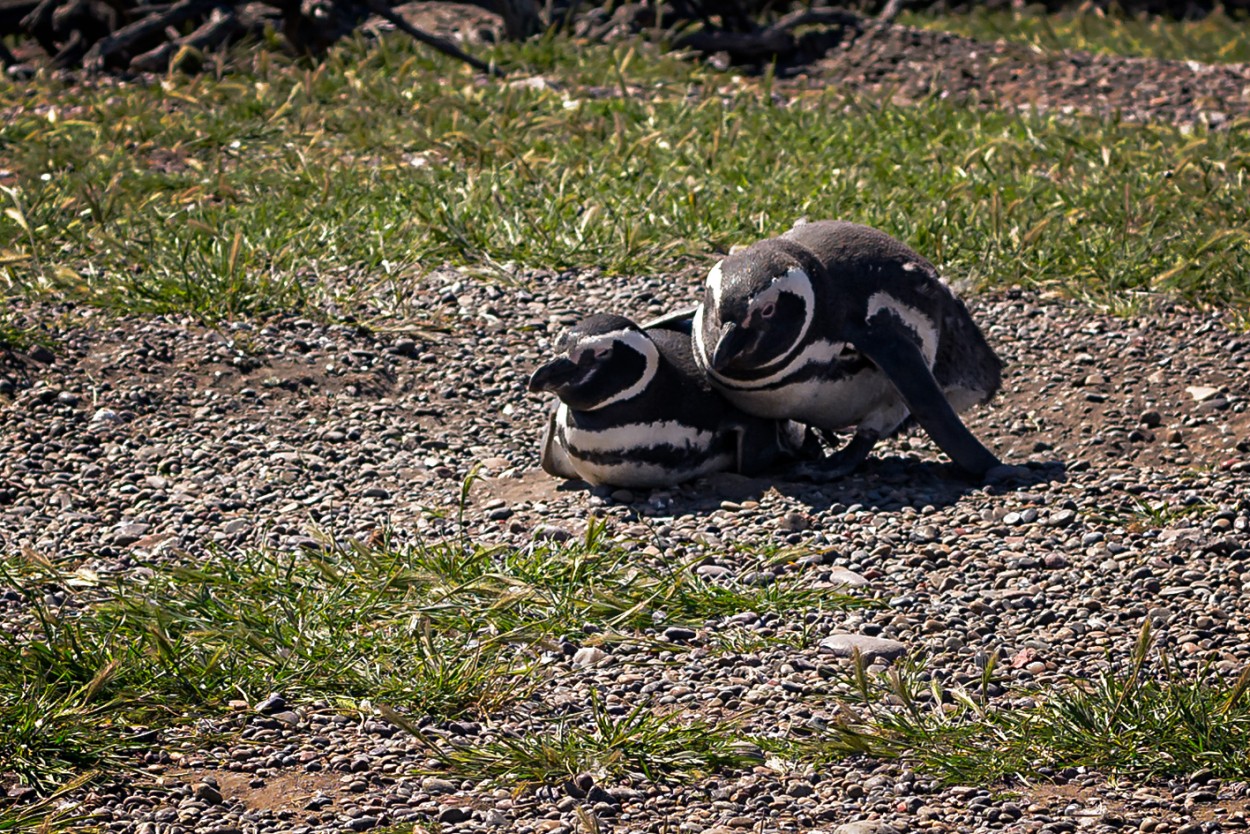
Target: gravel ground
x,y
144,435
913,64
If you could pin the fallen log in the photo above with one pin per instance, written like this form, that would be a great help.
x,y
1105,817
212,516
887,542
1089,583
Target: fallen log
x,y
115,49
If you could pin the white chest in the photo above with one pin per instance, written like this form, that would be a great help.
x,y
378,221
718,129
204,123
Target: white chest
x,y
827,404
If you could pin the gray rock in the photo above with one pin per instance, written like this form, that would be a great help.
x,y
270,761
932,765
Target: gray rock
x,y
866,827
125,534
434,785
274,703
843,576
844,644
588,656
452,814
207,793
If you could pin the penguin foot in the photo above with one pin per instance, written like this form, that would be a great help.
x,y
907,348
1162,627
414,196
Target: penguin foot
x,y
839,464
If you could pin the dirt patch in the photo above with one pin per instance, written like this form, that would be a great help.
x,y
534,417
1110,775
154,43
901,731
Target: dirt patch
x,y
913,64
283,790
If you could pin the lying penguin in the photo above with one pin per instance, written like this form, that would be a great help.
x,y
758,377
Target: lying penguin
x,y
841,326
635,411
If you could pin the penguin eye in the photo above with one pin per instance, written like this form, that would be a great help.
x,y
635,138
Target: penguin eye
x,y
768,309
603,352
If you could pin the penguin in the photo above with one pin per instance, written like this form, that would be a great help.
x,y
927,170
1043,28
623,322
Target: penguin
x,y
840,326
635,411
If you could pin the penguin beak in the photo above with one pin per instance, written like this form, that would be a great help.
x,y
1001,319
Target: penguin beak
x,y
733,340
554,375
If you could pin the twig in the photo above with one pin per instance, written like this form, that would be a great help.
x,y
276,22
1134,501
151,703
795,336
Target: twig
x,y
816,17
221,25
892,10
72,51
764,43
382,10
12,12
38,22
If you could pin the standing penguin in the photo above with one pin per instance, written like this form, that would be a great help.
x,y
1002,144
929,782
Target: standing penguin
x,y
635,411
838,325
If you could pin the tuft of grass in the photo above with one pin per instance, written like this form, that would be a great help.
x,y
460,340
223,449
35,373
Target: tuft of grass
x,y
639,743
50,736
1138,515
1215,38
331,190
442,629
14,335
202,633
1145,719
54,812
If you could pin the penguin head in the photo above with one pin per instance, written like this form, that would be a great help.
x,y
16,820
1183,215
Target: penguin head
x,y
757,307
606,359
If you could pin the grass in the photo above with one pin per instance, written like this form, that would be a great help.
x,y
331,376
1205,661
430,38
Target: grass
x,y
15,334
445,629
1136,515
642,743
1146,719
51,734
1216,38
282,188
49,813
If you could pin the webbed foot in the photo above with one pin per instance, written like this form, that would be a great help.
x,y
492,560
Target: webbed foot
x,y
839,464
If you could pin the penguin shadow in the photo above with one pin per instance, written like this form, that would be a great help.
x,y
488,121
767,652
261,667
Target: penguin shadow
x,y
891,483
881,483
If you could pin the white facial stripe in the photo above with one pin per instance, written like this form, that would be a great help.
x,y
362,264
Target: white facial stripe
x,y
700,347
714,280
637,341
796,282
637,436
823,352
596,343
912,318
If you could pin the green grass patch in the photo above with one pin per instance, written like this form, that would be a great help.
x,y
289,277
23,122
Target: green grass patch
x,y
46,813
642,743
444,629
1216,38
283,188
1146,719
1136,515
52,734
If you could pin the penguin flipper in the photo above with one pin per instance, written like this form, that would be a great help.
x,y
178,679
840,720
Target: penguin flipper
x,y
681,321
555,458
885,342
